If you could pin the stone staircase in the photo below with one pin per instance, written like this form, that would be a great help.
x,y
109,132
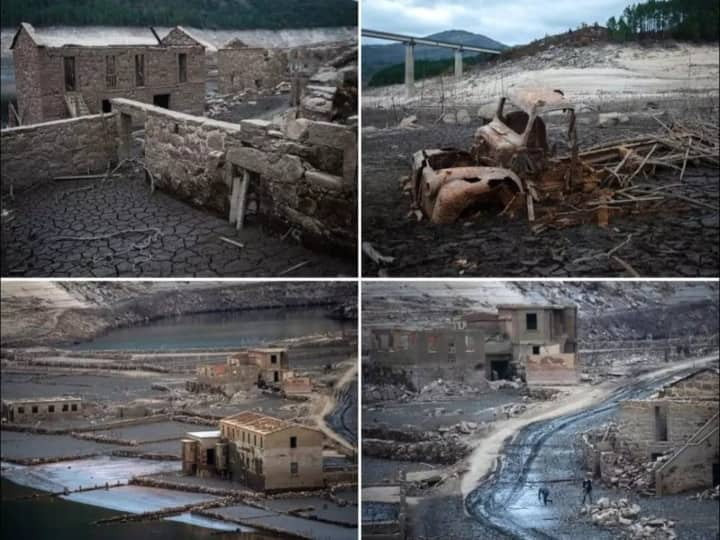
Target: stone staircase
x,y
76,105
695,451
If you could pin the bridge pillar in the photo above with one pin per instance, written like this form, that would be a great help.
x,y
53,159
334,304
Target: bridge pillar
x,y
410,68
458,63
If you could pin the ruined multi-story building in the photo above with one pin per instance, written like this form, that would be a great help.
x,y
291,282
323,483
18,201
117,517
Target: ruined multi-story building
x,y
34,409
56,79
261,452
262,367
535,342
425,355
681,419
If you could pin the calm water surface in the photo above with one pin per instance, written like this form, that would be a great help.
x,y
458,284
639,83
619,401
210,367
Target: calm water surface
x,y
230,329
57,519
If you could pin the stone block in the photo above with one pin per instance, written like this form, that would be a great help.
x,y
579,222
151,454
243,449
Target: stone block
x,y
324,181
329,134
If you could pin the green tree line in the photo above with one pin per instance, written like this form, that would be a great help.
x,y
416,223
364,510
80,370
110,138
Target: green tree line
x,y
214,14
695,20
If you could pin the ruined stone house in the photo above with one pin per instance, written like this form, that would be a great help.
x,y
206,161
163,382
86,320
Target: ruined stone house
x,y
261,452
258,69
33,409
536,342
57,80
248,368
680,420
426,355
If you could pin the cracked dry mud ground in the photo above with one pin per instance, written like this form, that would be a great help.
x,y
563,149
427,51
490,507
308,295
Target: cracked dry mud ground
x,y
676,240
188,244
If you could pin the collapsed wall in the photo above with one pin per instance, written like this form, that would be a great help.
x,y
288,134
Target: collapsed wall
x,y
43,151
302,177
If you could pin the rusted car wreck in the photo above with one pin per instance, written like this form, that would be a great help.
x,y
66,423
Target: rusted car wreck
x,y
511,167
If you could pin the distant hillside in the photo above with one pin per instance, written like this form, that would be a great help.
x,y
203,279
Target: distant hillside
x,y
236,14
377,57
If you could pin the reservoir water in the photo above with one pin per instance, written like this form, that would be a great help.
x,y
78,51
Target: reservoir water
x,y
227,329
57,519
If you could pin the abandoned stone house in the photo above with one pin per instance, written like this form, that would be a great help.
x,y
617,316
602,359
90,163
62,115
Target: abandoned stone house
x,y
268,367
258,69
34,409
535,342
680,420
426,355
261,452
57,80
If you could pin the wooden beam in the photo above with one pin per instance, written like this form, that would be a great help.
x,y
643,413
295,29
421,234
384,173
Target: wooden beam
x,y
242,199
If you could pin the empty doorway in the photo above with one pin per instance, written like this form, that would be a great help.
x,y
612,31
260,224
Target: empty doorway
x,y
162,100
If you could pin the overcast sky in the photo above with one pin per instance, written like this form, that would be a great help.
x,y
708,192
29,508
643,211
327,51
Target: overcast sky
x,y
511,22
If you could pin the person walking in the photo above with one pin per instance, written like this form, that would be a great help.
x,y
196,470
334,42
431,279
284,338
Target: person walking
x,y
543,494
587,489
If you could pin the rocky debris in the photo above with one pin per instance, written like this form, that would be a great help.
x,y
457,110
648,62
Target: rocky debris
x,y
503,383
385,392
710,494
446,450
542,394
443,389
407,122
461,116
622,513
612,119
331,94
512,409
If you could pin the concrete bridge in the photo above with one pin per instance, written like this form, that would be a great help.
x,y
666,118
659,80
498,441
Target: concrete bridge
x,y
411,41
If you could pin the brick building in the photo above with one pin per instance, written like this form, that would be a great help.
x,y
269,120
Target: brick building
x,y
56,79
259,451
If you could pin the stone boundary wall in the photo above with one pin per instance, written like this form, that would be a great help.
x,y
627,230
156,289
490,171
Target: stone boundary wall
x,y
303,178
37,152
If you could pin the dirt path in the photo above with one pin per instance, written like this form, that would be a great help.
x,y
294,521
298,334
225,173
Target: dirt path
x,y
324,404
490,448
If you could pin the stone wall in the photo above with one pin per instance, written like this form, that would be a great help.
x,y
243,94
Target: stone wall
x,y
638,424
549,368
692,466
37,152
257,69
251,68
705,384
304,177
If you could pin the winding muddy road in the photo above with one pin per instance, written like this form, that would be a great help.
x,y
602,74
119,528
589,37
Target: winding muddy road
x,y
544,453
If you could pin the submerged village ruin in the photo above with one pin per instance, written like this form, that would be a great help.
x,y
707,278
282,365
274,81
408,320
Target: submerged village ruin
x,y
253,429
160,155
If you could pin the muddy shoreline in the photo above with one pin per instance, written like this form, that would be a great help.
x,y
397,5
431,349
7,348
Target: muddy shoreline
x,y
78,324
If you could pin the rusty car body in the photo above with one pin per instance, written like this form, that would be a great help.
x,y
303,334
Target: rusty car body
x,y
510,157
448,184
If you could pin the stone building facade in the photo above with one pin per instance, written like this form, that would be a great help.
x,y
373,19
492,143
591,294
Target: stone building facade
x,y
257,69
681,420
535,342
303,175
261,452
425,355
23,411
58,80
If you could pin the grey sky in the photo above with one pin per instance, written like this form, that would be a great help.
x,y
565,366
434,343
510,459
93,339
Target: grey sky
x,y
509,21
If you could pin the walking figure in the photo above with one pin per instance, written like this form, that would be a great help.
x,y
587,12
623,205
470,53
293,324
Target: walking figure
x,y
543,494
587,490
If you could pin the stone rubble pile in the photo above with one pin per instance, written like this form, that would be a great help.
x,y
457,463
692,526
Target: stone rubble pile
x,y
710,494
622,513
385,392
442,389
